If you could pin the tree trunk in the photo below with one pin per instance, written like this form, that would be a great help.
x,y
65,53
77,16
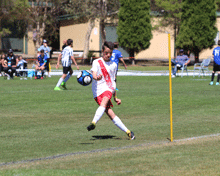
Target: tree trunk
x,y
37,38
131,56
102,29
196,56
44,19
103,10
87,39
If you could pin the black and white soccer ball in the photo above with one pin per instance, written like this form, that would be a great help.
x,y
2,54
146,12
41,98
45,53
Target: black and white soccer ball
x,y
84,78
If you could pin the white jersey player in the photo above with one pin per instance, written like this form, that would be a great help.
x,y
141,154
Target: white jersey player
x,y
66,58
103,87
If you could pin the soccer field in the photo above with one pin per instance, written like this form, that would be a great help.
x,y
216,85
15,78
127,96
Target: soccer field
x,y
43,132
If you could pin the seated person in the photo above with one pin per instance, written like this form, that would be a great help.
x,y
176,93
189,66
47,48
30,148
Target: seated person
x,y
22,64
42,64
1,63
179,62
10,64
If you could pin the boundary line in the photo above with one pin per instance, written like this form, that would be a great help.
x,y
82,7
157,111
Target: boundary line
x,y
103,150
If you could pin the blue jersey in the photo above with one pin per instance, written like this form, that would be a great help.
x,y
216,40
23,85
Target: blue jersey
x,y
216,54
42,60
46,50
116,55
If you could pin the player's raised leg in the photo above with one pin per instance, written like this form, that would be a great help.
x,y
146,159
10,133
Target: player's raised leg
x,y
117,121
99,112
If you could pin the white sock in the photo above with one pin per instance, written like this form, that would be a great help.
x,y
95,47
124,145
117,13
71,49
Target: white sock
x,y
59,82
67,77
119,124
99,112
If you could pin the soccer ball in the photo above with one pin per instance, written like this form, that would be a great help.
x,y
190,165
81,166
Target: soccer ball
x,y
84,78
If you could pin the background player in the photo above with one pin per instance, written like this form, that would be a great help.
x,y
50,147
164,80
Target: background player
x,y
47,53
116,56
42,64
103,87
67,56
216,66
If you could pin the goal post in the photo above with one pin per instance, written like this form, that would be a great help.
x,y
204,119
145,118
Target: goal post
x,y
170,88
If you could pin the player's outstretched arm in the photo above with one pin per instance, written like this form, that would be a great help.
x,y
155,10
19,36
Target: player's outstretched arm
x,y
122,60
96,77
74,61
117,100
58,61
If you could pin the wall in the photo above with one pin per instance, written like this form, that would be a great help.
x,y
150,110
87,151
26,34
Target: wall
x,y
77,32
157,50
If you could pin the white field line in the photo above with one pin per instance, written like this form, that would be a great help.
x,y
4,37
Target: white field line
x,y
103,150
137,73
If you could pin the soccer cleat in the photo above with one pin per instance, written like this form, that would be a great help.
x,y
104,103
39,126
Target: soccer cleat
x,y
35,77
217,83
211,83
42,78
131,135
63,84
117,89
91,127
57,88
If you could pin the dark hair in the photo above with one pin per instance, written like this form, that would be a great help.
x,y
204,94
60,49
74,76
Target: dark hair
x,y
219,42
42,51
116,44
109,45
69,42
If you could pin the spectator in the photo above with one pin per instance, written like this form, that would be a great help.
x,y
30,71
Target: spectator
x,y
180,61
216,66
42,64
22,64
1,63
47,53
10,65
116,56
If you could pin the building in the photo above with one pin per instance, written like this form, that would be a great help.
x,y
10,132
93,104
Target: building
x,y
157,50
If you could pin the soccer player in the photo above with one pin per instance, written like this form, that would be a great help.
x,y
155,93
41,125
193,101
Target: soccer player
x,y
47,53
216,66
42,64
103,88
67,56
116,56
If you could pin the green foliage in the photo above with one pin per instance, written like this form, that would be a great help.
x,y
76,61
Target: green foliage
x,y
173,7
171,11
13,14
198,25
4,32
134,26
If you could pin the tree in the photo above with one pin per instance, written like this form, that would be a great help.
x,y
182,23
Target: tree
x,y
12,14
134,26
170,13
91,10
42,16
198,26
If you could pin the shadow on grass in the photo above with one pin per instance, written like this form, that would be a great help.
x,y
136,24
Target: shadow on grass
x,y
104,137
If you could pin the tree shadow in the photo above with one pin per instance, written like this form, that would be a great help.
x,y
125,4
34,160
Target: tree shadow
x,y
101,137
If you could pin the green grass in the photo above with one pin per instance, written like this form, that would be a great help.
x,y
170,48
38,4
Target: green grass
x,y
37,122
